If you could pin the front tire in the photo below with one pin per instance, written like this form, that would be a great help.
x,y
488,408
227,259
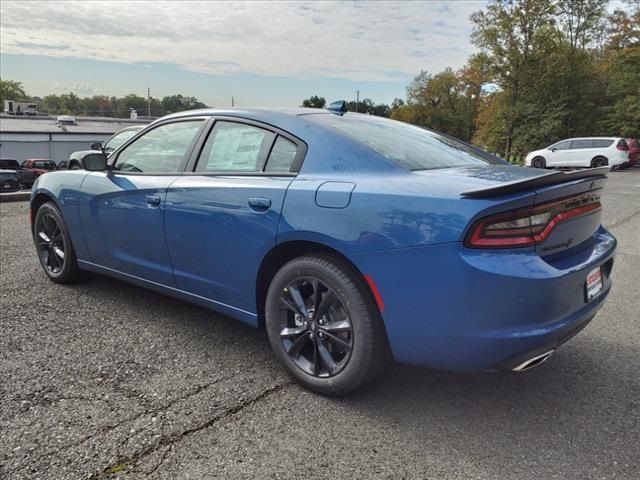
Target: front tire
x,y
538,162
323,325
53,245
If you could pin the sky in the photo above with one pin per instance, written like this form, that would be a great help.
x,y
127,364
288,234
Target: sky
x,y
261,52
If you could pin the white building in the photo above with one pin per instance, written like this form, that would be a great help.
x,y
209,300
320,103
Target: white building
x,y
22,138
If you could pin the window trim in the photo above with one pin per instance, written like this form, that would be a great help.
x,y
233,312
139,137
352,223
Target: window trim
x,y
187,156
197,152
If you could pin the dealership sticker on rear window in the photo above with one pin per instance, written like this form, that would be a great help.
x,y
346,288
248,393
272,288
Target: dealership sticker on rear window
x,y
594,283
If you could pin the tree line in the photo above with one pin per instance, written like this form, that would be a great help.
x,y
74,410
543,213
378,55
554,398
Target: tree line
x,y
99,105
545,70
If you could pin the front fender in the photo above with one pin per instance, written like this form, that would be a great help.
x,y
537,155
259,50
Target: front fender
x,y
64,189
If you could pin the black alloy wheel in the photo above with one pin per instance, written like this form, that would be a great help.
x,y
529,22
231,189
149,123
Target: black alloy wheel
x,y
50,243
316,330
599,162
539,162
324,325
53,245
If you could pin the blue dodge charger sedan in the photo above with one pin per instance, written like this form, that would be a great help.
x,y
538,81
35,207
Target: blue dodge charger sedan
x,y
350,239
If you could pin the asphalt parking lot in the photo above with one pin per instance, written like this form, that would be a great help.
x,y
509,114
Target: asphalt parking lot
x,y
107,380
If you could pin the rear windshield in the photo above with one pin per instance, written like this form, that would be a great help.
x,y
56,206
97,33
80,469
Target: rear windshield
x,y
410,147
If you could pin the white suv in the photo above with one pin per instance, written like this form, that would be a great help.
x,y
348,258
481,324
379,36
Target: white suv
x,y
581,152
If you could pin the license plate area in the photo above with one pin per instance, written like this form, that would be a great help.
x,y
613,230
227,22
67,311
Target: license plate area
x,y
594,284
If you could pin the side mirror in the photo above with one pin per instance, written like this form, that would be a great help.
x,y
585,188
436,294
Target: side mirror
x,y
553,149
96,146
94,162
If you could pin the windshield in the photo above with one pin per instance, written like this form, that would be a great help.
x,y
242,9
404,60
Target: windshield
x,y
410,147
118,139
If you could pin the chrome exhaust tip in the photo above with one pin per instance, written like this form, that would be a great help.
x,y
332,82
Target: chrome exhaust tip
x,y
533,362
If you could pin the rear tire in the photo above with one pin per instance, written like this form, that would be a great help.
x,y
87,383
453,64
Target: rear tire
x,y
599,162
539,162
323,325
53,245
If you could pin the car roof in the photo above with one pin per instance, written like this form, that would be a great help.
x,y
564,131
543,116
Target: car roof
x,y
590,138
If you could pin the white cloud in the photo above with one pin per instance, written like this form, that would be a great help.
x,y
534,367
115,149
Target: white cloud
x,y
355,40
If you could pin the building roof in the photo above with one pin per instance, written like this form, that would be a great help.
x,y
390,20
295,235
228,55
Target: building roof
x,y
13,124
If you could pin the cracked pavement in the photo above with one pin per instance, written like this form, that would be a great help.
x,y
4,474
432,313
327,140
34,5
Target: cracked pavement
x,y
104,380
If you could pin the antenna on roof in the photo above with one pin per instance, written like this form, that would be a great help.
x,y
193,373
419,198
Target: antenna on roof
x,y
339,107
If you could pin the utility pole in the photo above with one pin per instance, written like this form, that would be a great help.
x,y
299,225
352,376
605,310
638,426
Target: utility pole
x,y
232,102
148,101
357,99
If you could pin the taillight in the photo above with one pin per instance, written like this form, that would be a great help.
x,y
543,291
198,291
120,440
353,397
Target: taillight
x,y
530,226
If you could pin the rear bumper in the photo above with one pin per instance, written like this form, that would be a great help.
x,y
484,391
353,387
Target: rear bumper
x,y
472,310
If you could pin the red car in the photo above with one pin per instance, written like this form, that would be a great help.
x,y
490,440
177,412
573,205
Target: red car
x,y
39,165
634,151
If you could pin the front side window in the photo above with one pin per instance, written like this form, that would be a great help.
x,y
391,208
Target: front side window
x,y
561,145
160,150
235,147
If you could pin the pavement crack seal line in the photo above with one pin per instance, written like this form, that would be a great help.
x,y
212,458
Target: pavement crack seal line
x,y
623,220
109,428
172,439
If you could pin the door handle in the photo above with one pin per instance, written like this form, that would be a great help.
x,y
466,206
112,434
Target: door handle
x,y
152,200
259,204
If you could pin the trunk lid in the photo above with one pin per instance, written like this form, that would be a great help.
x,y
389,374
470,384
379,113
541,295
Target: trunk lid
x,y
565,193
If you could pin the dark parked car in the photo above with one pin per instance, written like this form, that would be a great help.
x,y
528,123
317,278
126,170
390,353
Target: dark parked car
x,y
9,181
25,176
39,165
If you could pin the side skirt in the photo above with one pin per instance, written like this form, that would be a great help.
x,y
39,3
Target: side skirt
x,y
234,312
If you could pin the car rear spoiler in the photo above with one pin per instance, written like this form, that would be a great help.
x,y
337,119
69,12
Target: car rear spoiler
x,y
544,180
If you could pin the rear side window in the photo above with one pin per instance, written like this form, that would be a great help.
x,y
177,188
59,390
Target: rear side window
x,y
235,147
602,143
576,144
282,156
410,147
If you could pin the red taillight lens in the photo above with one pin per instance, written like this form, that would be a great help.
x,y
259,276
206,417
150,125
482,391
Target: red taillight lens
x,y
526,227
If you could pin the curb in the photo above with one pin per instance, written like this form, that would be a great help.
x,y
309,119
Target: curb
x,y
15,197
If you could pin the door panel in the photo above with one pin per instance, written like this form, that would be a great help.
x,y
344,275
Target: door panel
x,y
123,211
123,220
218,230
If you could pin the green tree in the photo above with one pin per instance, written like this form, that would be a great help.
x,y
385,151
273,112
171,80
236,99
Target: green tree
x,y
441,102
179,103
512,34
11,90
314,101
